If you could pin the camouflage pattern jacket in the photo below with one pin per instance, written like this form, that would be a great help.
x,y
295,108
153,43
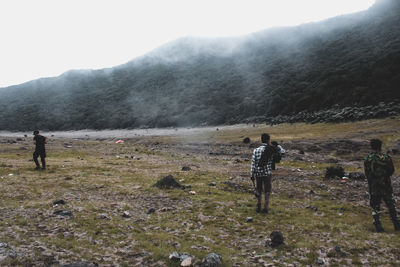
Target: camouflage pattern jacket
x,y
378,168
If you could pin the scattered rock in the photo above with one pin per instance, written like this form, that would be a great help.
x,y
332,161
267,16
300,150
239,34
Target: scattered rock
x,y
126,214
320,261
314,208
186,168
6,252
68,178
187,262
59,202
336,252
337,113
212,184
212,260
249,219
357,176
165,209
246,140
81,264
104,216
167,182
332,172
151,210
179,256
63,212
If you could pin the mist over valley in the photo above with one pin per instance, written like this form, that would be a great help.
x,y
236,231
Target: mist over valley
x,y
346,61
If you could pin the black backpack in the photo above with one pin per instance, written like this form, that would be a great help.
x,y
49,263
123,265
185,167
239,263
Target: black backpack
x,y
267,154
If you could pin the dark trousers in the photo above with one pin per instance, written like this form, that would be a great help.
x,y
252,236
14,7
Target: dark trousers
x,y
263,184
375,202
42,155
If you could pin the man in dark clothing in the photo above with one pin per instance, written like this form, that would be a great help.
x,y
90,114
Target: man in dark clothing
x,y
40,150
378,169
261,167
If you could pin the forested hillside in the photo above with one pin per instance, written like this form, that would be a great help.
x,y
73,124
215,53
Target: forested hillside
x,y
350,60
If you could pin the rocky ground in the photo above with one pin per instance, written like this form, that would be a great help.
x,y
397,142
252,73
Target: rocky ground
x,y
335,114
96,203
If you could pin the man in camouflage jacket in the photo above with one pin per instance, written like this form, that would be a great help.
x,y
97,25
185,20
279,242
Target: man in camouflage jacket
x,y
378,169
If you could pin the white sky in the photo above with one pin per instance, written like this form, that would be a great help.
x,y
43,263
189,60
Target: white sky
x,y
42,38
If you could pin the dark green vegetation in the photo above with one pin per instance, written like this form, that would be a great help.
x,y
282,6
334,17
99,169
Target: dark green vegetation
x,y
350,60
109,189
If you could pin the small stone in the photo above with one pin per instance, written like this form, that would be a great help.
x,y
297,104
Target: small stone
x,y
151,210
63,212
249,219
126,214
212,260
179,256
59,202
212,184
187,262
246,140
192,192
186,168
68,178
104,216
320,261
81,264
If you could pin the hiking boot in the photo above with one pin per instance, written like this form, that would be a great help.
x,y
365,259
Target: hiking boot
x,y
37,168
258,209
265,211
379,228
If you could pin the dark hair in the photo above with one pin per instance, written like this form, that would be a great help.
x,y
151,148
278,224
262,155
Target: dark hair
x,y
35,131
265,137
376,144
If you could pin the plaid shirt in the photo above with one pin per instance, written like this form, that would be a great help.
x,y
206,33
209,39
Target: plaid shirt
x,y
257,171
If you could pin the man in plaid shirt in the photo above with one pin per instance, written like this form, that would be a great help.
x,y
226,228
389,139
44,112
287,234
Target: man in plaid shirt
x,y
261,171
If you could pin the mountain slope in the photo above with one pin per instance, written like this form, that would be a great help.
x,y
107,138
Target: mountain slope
x,y
347,60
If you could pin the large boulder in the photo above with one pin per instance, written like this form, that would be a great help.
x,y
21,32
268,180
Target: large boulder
x,y
276,238
167,182
332,172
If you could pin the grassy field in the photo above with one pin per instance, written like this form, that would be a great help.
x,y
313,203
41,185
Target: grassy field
x,y
108,188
